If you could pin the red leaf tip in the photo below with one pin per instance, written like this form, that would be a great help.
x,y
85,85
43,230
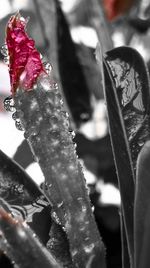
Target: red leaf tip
x,y
25,64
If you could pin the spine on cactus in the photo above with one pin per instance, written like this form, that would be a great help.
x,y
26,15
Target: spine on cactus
x,y
39,107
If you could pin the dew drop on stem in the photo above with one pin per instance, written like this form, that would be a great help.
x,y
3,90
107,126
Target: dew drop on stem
x,y
19,125
4,50
73,134
44,82
140,143
55,217
48,67
55,85
15,116
9,104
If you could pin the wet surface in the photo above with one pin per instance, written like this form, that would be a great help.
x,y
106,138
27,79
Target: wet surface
x,y
132,87
25,199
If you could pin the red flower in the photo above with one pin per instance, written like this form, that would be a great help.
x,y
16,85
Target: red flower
x,y
115,8
25,64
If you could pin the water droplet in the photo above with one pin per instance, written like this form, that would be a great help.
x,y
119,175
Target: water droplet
x,y
33,104
140,143
82,228
66,123
71,167
45,83
57,100
34,130
6,60
38,118
23,19
65,114
50,185
75,145
15,116
13,262
60,204
55,126
88,249
55,217
9,104
57,92
54,142
48,67
74,252
67,219
73,134
18,188
21,233
35,86
84,209
93,208
4,50
5,241
61,102
63,227
41,57
64,177
31,132
18,125
55,85
44,186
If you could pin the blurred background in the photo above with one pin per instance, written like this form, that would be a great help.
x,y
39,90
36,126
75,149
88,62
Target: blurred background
x,y
67,33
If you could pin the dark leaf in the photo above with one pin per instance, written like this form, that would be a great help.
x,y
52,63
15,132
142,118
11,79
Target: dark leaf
x,y
21,245
5,261
139,25
73,81
131,80
122,156
127,95
25,198
124,245
142,209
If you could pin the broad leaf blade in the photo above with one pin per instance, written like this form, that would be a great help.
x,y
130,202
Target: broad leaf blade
x,y
122,156
131,80
25,198
128,81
